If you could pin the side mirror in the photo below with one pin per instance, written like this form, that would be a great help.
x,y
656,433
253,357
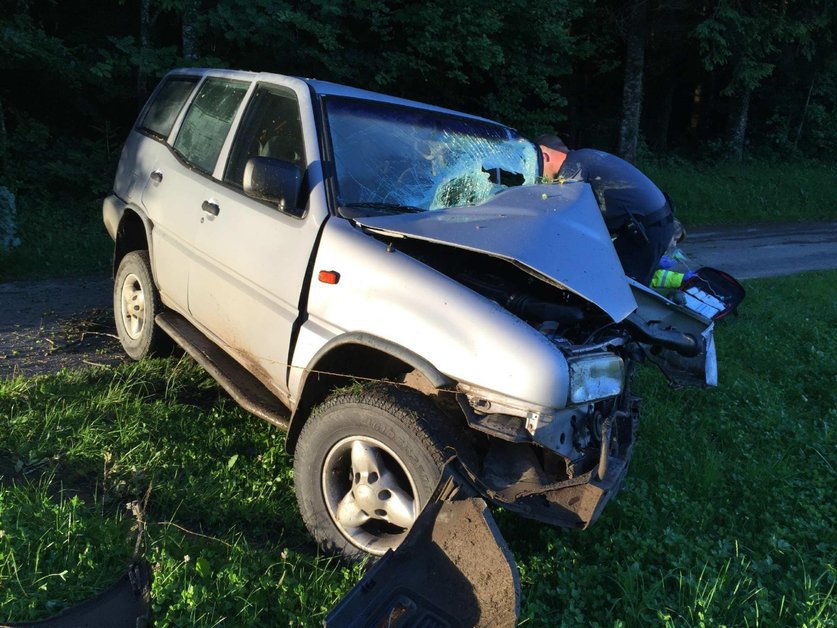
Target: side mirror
x,y
273,180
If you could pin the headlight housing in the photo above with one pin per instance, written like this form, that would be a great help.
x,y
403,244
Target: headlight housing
x,y
594,377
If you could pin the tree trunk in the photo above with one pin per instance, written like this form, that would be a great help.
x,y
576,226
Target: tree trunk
x,y
804,113
3,140
144,42
704,106
663,120
190,40
738,123
632,86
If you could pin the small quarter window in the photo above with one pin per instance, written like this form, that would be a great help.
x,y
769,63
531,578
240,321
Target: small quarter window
x,y
167,103
208,121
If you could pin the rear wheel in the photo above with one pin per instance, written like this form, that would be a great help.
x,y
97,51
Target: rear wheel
x,y
136,302
365,465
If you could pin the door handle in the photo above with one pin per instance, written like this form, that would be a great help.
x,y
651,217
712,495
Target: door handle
x,y
211,207
157,176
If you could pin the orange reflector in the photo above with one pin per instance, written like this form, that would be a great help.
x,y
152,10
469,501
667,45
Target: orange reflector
x,y
329,276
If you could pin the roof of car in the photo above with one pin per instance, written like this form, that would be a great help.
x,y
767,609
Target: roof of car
x,y
326,88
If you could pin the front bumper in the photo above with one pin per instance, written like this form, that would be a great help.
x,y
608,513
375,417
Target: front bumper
x,y
512,476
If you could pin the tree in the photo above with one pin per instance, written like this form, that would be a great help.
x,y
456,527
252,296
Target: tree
x,y
632,85
744,39
190,30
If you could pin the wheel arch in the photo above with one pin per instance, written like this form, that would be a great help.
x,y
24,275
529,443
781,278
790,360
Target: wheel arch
x,y
360,356
132,234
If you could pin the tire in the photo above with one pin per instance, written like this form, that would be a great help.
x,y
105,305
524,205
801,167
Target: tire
x,y
136,302
365,464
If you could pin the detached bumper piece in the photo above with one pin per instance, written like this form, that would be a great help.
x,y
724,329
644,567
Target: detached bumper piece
x,y
453,569
514,477
125,603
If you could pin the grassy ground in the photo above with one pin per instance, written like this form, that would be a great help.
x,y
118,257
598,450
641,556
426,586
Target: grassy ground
x,y
727,517
67,238
57,240
750,193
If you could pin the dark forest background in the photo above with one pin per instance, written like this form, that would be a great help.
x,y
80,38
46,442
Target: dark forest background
x,y
717,76
658,81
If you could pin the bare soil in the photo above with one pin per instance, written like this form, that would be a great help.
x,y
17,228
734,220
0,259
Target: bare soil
x,y
58,323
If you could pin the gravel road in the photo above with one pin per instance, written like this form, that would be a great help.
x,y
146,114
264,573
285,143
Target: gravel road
x,y
765,251
56,323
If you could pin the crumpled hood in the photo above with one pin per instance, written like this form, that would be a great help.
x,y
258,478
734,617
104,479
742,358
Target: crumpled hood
x,y
554,232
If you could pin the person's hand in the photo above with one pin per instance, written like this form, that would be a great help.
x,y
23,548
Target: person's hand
x,y
666,262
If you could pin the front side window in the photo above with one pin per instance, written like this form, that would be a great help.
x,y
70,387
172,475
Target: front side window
x,y
271,128
168,101
208,122
418,159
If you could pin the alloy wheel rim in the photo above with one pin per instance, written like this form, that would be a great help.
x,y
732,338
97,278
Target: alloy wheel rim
x,y
132,306
370,495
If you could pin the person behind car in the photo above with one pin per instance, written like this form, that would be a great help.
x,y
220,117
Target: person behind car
x,y
637,214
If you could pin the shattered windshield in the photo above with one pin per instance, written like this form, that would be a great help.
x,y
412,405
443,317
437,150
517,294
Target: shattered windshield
x,y
403,159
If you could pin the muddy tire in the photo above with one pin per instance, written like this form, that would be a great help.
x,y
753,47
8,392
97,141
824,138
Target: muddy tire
x,y
136,302
365,465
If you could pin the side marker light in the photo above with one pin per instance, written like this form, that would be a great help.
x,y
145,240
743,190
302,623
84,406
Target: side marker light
x,y
329,276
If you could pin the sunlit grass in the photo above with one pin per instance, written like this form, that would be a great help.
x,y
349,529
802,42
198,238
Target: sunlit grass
x,y
727,517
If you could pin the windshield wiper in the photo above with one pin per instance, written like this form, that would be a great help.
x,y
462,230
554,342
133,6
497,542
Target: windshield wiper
x,y
387,207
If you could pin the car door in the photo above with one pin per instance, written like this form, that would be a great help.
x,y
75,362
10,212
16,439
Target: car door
x,y
138,176
246,283
177,186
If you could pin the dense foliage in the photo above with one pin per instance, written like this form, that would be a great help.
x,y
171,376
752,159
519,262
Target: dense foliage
x,y
662,81
81,70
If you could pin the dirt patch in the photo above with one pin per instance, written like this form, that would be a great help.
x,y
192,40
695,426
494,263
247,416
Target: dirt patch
x,y
59,323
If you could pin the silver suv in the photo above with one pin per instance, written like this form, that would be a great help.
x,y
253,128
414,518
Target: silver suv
x,y
386,280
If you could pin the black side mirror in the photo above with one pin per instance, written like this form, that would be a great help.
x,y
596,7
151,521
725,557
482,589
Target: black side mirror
x,y
273,180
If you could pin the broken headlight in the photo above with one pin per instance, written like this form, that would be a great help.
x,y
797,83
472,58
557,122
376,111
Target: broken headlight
x,y
595,377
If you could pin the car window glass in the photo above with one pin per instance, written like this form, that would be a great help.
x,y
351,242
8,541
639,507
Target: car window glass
x,y
271,128
421,159
208,121
167,103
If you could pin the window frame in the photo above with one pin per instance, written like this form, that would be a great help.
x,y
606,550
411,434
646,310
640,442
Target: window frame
x,y
280,90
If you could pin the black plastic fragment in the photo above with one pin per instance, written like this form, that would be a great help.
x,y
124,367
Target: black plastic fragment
x,y
125,604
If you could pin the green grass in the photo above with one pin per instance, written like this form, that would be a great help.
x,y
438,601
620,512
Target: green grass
x,y
727,517
725,193
80,446
57,240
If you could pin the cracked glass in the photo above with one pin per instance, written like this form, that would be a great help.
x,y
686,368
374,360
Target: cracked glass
x,y
404,159
205,127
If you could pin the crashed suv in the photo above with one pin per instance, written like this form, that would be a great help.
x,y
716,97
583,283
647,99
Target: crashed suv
x,y
387,281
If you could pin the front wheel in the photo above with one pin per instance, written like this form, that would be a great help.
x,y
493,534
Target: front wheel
x,y
365,465
136,302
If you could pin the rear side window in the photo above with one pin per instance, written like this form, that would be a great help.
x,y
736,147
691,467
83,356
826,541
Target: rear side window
x,y
167,103
208,121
